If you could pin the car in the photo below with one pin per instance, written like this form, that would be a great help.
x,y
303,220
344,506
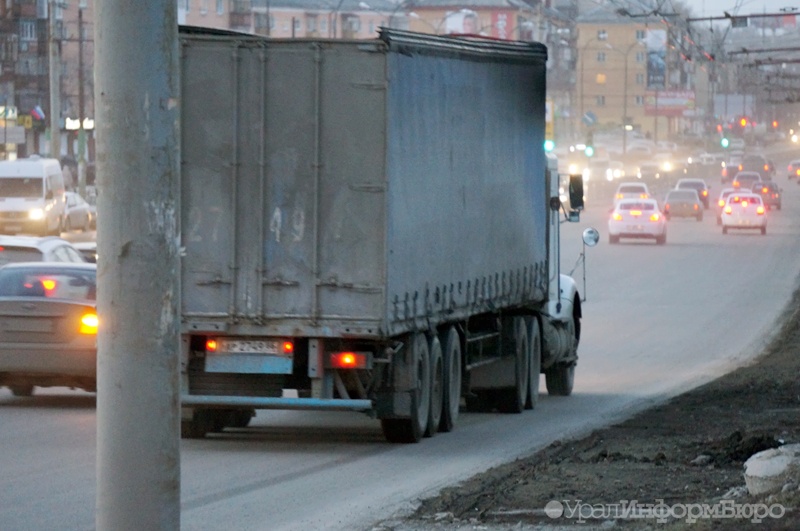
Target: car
x,y
49,332
649,171
684,203
744,211
770,193
737,143
745,180
637,218
631,190
38,249
794,170
695,184
78,214
730,167
615,170
759,164
723,195
88,250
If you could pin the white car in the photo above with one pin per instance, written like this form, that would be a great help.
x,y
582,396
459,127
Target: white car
x,y
637,218
744,211
79,214
631,190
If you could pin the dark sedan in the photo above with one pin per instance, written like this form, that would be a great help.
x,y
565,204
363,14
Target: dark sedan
x,y
770,193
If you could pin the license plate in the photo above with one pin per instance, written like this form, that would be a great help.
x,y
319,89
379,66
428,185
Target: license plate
x,y
14,324
248,346
635,228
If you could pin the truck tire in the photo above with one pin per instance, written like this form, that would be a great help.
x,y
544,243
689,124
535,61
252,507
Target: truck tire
x,y
240,418
514,339
437,386
560,377
199,425
21,390
451,357
535,344
410,430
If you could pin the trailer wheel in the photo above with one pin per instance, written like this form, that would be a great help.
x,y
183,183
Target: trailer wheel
x,y
410,430
535,341
560,378
21,390
452,379
437,387
512,399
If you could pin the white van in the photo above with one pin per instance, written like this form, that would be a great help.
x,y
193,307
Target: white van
x,y
31,196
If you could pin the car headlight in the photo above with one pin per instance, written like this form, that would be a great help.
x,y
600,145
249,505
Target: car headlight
x,y
667,166
574,169
36,214
794,139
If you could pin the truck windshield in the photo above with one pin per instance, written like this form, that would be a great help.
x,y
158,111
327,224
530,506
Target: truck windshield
x,y
30,187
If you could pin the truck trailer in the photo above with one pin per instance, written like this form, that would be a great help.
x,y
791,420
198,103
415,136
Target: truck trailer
x,y
368,225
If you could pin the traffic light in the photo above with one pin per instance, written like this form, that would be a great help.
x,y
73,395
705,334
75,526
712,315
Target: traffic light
x,y
774,124
549,145
743,122
589,151
724,142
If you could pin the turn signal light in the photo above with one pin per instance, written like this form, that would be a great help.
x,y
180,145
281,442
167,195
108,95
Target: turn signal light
x,y
617,216
655,217
721,202
728,209
211,345
760,210
89,324
288,347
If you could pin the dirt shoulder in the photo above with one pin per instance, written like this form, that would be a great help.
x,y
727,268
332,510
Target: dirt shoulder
x,y
691,450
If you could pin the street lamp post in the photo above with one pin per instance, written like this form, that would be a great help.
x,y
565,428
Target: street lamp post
x,y
625,55
584,48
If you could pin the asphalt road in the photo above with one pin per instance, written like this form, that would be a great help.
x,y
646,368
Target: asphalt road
x,y
657,320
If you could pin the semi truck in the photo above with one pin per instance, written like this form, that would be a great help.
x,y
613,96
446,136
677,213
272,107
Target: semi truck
x,y
371,226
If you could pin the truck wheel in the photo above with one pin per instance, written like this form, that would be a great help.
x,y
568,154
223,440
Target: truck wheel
x,y
200,424
515,340
21,390
240,418
410,430
535,343
451,357
560,377
437,387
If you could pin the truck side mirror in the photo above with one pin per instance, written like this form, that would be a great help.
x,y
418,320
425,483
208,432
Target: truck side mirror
x,y
576,192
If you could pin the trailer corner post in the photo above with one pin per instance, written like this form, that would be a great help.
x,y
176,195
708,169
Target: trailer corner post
x,y
138,408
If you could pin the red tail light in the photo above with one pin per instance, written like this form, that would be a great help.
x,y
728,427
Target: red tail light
x,y
705,193
655,217
728,209
721,202
211,345
616,216
349,360
288,347
89,323
760,211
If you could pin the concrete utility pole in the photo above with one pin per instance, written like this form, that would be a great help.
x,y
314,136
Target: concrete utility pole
x,y
138,420
81,111
55,80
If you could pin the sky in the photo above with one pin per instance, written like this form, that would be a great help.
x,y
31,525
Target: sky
x,y
715,8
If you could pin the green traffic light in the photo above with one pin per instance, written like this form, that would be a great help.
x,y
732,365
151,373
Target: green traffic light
x,y
549,145
589,151
724,142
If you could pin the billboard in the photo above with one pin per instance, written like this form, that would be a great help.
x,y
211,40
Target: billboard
x,y
669,103
656,43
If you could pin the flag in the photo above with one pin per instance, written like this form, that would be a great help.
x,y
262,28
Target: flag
x,y
37,113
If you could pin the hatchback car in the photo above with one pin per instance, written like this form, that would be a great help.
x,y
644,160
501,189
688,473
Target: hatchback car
x,y
684,203
723,196
49,322
37,249
699,185
770,193
745,180
631,191
744,211
637,218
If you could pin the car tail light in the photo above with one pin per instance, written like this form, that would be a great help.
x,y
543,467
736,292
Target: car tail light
x,y
666,207
728,209
643,196
655,217
721,202
796,172
705,193
349,360
744,203
741,167
764,190
766,167
696,206
288,347
636,212
211,345
89,323
760,210
616,216
736,184
619,196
